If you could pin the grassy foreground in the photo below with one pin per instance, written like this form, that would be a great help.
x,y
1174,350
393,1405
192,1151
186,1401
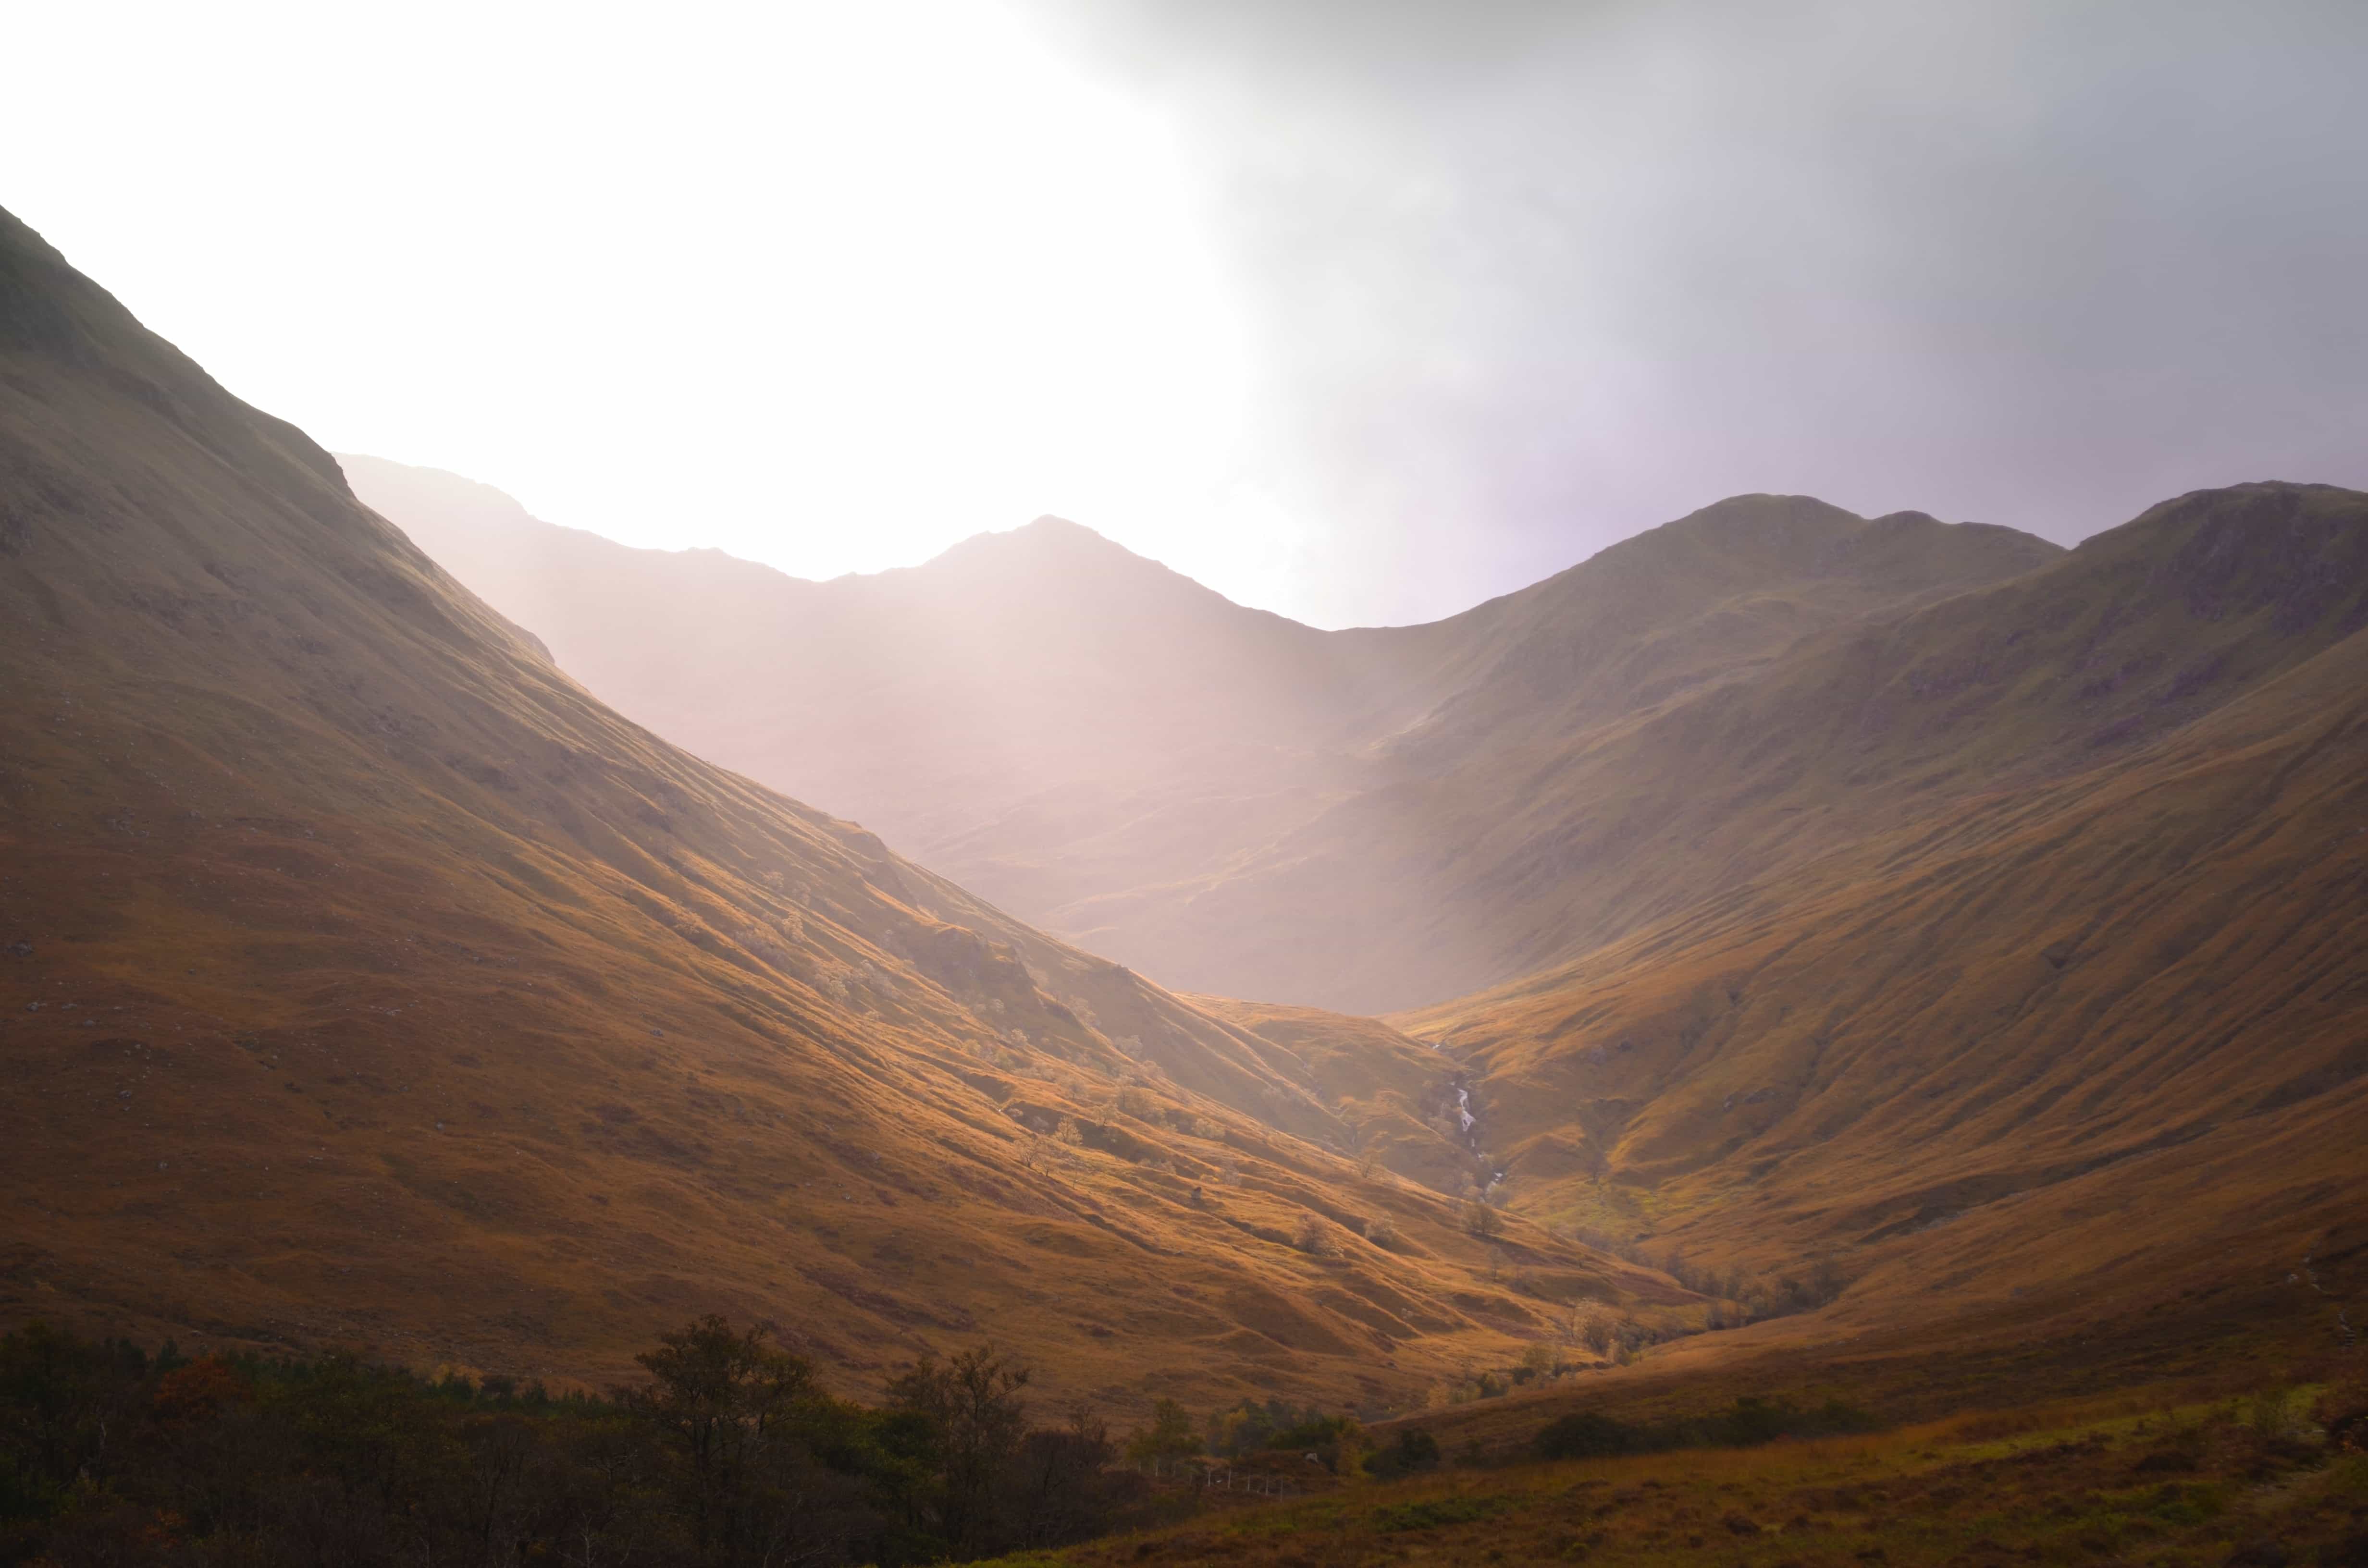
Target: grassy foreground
x,y
2261,1480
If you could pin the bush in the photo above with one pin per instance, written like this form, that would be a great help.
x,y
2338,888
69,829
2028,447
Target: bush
x,y
1584,1435
1312,1234
1410,1452
1432,1512
1747,1423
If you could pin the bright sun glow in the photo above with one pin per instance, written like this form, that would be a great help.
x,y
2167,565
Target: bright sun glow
x,y
830,286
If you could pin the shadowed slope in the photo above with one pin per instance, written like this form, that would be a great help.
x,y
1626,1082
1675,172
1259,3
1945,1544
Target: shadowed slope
x,y
2097,1025
1223,798
363,977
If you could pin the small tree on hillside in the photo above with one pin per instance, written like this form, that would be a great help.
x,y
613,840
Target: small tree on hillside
x,y
1483,1222
1312,1234
1167,1439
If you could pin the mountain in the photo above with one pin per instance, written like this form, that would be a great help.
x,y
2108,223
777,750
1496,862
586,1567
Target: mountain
x,y
364,979
2074,1002
1235,802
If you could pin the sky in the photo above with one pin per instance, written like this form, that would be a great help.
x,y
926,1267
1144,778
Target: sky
x,y
1357,310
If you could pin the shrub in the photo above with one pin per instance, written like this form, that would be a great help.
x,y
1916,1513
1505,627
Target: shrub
x,y
1411,1452
1312,1234
1749,1421
1584,1435
1432,1512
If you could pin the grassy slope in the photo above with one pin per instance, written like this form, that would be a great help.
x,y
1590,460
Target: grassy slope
x,y
361,977
2184,1429
2165,1479
1218,796
2093,1032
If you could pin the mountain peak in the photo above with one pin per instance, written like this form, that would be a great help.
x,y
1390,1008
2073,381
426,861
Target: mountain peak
x,y
1046,536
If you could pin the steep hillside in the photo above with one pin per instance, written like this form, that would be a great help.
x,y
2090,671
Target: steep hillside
x,y
1220,797
2096,1028
363,978
1529,817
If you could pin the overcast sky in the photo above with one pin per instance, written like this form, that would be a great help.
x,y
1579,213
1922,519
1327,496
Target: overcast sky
x,y
1360,310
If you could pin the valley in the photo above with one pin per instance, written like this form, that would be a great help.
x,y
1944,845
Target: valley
x,y
1901,968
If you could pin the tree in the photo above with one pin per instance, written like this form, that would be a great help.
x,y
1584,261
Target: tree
x,y
1483,1222
972,1417
1059,1490
1169,1436
728,1405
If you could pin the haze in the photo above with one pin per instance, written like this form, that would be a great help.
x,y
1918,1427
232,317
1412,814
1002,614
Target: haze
x,y
1362,314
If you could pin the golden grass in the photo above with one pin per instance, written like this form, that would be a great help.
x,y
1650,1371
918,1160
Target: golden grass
x,y
2150,1477
379,985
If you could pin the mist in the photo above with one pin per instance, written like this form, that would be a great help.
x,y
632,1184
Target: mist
x,y
1528,277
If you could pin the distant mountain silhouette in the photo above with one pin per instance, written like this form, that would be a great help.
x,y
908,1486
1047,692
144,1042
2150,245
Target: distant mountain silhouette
x,y
1218,796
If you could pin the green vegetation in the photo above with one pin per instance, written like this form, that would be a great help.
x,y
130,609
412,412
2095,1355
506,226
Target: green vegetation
x,y
1431,1512
2269,1478
728,1453
1750,1420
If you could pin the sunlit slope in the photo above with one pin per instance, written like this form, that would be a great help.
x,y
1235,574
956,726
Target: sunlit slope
x,y
363,978
1222,798
2110,1015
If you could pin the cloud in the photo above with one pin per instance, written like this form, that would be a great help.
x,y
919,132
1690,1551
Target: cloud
x,y
1527,277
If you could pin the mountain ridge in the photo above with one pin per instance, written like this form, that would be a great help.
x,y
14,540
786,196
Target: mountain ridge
x,y
2039,1035
1110,772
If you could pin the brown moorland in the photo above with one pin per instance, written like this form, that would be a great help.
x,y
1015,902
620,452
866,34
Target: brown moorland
x,y
2087,1039
365,979
2158,1476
